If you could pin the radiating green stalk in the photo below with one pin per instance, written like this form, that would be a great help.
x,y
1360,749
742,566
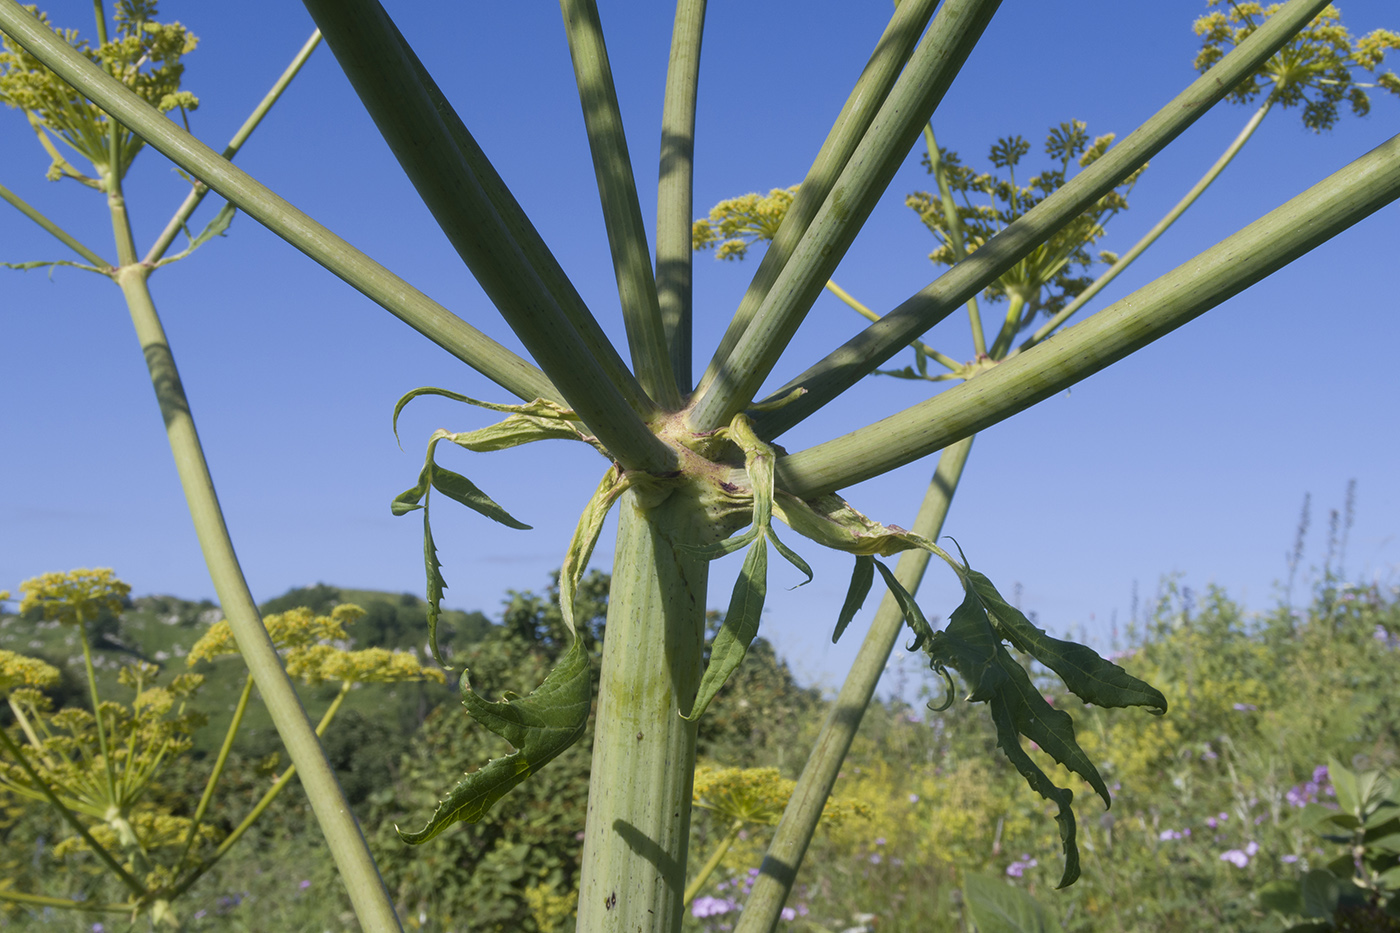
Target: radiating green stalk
x,y
532,244
263,803
387,78
864,311
675,194
378,284
111,788
736,376
721,848
622,210
956,237
68,816
1111,273
865,352
343,837
220,760
62,903
639,799
58,232
1342,199
197,193
889,57
804,809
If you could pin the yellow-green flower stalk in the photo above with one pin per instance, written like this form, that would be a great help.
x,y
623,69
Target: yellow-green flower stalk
x,y
144,57
742,797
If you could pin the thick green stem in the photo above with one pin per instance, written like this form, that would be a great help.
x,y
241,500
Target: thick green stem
x,y
676,188
799,821
196,195
343,837
638,831
1332,205
1157,230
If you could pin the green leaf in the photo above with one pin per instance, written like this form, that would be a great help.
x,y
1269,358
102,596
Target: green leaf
x,y
1320,890
971,646
913,615
1285,897
216,227
740,626
1344,783
1389,843
458,487
997,907
1089,676
537,409
514,431
721,548
50,265
861,579
436,584
539,726
590,526
791,556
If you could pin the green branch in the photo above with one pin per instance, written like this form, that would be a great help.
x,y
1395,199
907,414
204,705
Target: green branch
x,y
196,195
889,57
347,844
861,355
622,211
920,87
368,277
1157,230
956,239
675,196
390,83
1188,291
54,229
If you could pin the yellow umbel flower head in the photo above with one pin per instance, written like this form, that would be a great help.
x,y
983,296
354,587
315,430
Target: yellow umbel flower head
x,y
16,670
142,54
737,223
74,597
1316,69
307,643
759,795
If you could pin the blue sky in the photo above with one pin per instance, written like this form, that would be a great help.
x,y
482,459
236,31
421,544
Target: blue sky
x,y
1192,457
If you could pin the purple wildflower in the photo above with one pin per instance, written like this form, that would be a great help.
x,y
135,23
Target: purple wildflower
x,y
1235,857
1018,868
711,906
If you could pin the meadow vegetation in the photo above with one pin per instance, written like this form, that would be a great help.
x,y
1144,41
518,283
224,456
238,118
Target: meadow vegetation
x,y
1218,808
